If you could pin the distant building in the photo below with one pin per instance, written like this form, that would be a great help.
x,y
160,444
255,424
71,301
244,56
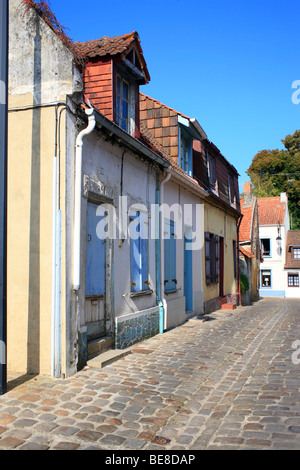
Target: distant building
x,y
273,228
292,264
249,250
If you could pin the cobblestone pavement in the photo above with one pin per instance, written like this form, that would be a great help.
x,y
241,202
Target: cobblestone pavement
x,y
226,383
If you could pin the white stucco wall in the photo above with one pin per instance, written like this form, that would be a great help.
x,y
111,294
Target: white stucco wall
x,y
274,263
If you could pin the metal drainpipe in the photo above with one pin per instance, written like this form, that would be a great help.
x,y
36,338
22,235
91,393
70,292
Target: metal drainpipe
x,y
162,249
56,256
77,203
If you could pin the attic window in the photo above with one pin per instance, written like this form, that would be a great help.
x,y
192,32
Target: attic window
x,y
296,253
122,103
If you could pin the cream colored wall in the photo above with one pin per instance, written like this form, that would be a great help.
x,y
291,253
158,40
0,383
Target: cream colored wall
x,y
29,296
220,223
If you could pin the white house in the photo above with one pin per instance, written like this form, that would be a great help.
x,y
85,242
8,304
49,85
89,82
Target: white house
x,y
273,228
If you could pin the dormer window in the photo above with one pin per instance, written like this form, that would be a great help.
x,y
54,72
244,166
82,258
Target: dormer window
x,y
211,168
185,152
123,92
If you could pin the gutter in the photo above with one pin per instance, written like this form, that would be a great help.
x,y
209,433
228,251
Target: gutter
x,y
163,317
131,142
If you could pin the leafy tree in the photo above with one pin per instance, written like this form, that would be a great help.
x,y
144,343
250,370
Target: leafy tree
x,y
276,171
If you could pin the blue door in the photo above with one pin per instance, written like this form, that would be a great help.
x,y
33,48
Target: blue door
x,y
188,276
95,255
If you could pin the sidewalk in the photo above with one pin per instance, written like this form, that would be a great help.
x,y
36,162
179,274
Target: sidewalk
x,y
226,383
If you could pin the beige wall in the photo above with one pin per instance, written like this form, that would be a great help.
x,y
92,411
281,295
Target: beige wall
x,y
220,223
30,179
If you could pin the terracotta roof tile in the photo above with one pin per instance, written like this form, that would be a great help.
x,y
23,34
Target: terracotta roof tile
x,y
245,228
106,46
111,47
246,252
271,210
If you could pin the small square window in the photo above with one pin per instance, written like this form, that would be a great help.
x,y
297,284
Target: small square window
x,y
266,246
266,279
296,253
293,279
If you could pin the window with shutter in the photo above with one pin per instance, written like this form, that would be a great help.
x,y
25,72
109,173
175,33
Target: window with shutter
x,y
139,252
170,256
212,258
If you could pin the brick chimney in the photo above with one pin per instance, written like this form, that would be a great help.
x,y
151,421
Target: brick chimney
x,y
247,194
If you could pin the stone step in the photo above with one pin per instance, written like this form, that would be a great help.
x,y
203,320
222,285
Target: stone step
x,y
99,346
108,357
229,306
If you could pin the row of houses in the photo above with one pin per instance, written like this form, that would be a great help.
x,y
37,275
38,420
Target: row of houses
x,y
123,217
269,250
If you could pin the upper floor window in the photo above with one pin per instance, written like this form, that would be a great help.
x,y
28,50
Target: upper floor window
x,y
123,92
296,253
266,246
185,152
211,168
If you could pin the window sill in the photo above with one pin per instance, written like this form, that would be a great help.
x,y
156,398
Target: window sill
x,y
168,292
141,293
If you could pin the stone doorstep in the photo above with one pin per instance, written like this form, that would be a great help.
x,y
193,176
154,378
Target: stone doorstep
x,y
99,346
108,357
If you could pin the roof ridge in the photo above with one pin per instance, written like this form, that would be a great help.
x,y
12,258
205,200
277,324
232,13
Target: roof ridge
x,y
165,105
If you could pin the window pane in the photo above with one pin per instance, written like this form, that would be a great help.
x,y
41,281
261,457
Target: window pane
x,y
124,125
124,109
118,105
296,253
125,91
266,278
118,86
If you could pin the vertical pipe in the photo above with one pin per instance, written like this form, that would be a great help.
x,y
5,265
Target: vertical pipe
x,y
54,271
158,258
3,189
58,299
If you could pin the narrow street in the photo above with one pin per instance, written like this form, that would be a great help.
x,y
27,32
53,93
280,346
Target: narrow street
x,y
231,382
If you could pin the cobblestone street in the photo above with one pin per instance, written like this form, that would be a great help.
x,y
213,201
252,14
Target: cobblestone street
x,y
225,383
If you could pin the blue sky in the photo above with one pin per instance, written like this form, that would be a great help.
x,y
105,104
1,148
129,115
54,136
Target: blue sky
x,y
229,64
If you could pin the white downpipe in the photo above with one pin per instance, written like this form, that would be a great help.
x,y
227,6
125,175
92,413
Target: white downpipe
x,y
162,245
78,189
58,298
54,242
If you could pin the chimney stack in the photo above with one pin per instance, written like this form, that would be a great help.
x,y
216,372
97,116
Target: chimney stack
x,y
247,194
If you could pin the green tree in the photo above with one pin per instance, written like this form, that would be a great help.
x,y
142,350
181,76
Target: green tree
x,y
275,171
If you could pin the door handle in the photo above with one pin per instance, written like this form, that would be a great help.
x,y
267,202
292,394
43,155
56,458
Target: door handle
x,y
89,237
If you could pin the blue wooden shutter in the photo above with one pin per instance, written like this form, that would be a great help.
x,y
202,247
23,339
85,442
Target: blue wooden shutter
x,y
144,252
135,258
170,256
95,254
139,254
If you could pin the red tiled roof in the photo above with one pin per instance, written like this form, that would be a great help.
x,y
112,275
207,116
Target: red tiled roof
x,y
245,228
246,252
271,210
292,240
106,46
112,46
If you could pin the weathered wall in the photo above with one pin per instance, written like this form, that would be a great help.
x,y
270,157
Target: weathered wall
x,y
41,73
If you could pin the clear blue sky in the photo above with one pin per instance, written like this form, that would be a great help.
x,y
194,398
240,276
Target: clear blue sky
x,y
228,63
